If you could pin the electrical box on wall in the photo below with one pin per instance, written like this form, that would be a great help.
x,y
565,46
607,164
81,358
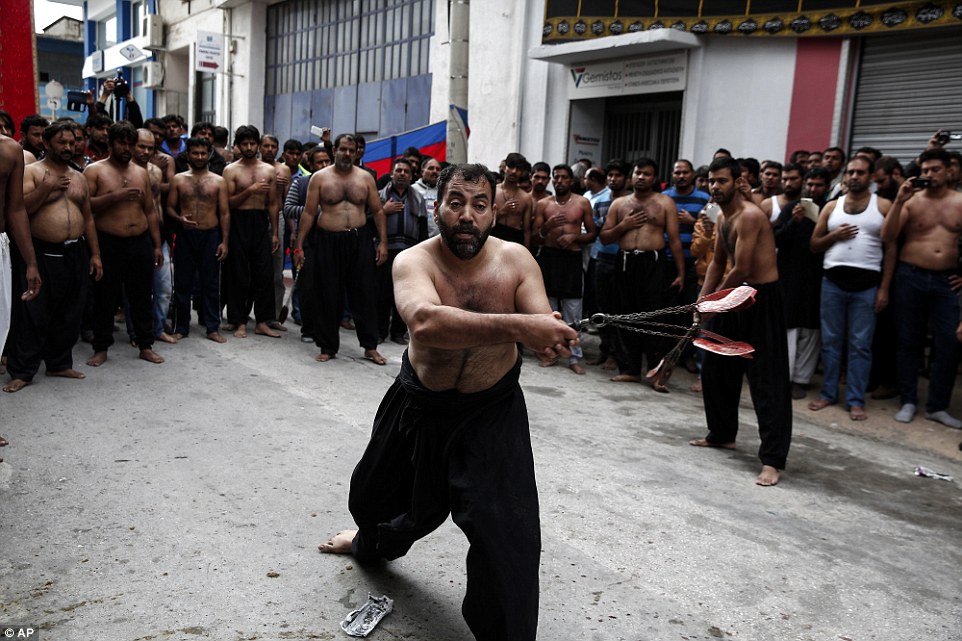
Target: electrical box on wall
x,y
153,30
153,75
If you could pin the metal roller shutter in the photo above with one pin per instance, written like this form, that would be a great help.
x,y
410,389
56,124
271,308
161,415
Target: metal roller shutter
x,y
908,87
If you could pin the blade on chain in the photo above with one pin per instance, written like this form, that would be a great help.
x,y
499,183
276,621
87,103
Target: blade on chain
x,y
729,348
727,300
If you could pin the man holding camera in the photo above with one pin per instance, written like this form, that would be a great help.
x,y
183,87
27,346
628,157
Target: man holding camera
x,y
928,214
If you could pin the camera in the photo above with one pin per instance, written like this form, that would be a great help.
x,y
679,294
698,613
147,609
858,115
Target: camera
x,y
922,183
121,88
943,137
76,100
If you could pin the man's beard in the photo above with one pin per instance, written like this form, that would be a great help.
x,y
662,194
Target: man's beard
x,y
465,249
860,188
343,162
793,195
198,164
722,197
248,154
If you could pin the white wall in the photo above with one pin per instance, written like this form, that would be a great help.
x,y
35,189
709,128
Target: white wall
x,y
497,53
247,96
440,57
240,98
739,97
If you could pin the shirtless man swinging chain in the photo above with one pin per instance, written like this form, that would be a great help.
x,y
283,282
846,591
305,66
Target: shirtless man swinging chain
x,y
254,207
515,207
198,201
639,223
340,251
129,237
58,204
558,224
467,301
745,238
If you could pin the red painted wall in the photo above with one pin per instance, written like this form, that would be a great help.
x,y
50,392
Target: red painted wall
x,y
18,61
813,94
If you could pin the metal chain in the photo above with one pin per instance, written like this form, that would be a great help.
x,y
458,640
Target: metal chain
x,y
607,319
653,332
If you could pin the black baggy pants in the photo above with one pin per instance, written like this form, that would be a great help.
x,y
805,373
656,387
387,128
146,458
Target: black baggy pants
x,y
389,321
435,453
250,268
195,254
46,328
638,284
342,261
763,326
129,264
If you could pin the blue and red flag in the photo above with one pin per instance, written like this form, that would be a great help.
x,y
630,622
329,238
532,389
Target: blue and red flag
x,y
430,140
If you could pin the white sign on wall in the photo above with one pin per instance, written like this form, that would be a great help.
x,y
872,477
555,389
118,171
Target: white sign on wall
x,y
650,74
209,53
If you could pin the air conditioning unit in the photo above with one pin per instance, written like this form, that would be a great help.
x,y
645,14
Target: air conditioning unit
x,y
153,31
153,75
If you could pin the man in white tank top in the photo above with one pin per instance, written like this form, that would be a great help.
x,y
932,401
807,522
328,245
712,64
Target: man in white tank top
x,y
855,286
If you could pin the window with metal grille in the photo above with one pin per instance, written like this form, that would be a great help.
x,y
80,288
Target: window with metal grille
x,y
319,44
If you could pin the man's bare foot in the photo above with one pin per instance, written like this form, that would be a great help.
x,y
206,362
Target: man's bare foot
x,y
150,356
323,358
340,543
819,404
627,378
240,332
610,365
97,359
264,329
547,363
576,368
276,325
167,338
4,442
769,476
216,337
660,387
857,413
67,373
704,442
695,387
15,385
373,356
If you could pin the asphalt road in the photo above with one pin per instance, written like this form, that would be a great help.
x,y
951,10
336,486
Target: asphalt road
x,y
157,502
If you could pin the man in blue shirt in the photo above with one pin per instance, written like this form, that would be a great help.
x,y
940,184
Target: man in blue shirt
x,y
690,202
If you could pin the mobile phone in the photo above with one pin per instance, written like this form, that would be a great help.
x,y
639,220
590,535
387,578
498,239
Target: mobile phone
x,y
944,137
76,100
712,210
922,183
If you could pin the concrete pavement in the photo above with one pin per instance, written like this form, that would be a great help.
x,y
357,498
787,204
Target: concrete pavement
x,y
152,502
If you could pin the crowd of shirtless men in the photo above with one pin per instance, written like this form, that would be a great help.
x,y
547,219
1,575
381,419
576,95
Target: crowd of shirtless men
x,y
112,206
